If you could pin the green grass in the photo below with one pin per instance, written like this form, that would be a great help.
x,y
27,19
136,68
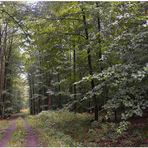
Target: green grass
x,y
18,137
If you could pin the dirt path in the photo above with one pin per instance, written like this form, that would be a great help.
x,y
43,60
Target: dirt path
x,y
8,134
32,138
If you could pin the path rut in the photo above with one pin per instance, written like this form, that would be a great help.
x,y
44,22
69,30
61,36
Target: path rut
x,y
32,138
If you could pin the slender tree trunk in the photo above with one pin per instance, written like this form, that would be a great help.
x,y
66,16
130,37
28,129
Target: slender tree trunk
x,y
74,80
90,64
99,41
99,38
59,90
71,73
4,69
0,72
115,114
74,72
33,99
30,94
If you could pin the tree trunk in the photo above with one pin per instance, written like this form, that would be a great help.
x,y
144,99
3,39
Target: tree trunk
x,y
90,64
74,72
59,90
1,72
4,63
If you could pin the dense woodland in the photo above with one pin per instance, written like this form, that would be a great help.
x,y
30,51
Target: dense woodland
x,y
80,68
77,56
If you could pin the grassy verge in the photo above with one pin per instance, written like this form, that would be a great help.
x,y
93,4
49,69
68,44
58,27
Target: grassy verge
x,y
4,124
61,128
18,137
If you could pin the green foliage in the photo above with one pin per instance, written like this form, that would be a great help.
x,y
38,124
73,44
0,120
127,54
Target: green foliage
x,y
123,126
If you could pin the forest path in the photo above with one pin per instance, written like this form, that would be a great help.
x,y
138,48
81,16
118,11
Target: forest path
x,y
8,134
32,139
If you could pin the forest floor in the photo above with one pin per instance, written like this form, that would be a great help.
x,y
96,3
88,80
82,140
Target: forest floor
x,y
61,128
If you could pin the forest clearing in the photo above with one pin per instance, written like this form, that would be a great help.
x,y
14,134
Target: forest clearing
x,y
73,74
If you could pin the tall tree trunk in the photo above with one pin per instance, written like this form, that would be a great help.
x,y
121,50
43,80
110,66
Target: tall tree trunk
x,y
90,65
4,63
99,38
1,76
74,80
74,72
99,41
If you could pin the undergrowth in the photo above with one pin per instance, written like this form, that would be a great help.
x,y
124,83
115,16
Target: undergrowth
x,y
58,128
62,128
